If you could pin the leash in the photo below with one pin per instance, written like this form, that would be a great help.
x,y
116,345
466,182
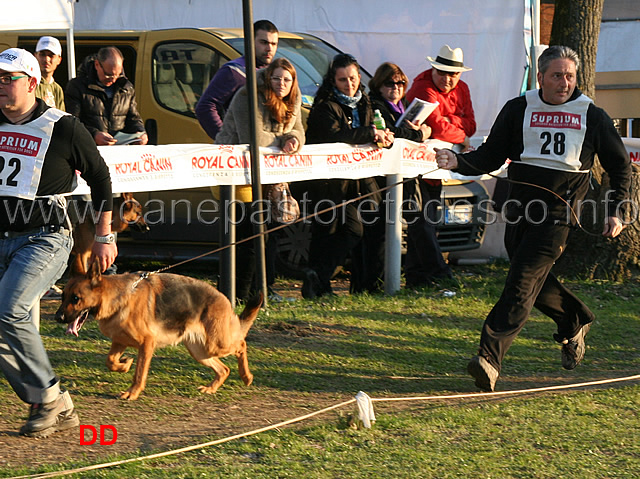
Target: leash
x,y
578,225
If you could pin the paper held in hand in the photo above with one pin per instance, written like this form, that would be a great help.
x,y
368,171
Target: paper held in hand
x,y
417,112
127,138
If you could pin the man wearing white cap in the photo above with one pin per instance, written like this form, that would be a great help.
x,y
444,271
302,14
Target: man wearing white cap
x,y
49,55
42,148
454,120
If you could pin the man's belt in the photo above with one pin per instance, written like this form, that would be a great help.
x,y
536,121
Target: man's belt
x,y
42,229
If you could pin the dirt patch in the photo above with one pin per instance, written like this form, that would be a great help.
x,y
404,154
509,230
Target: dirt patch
x,y
144,426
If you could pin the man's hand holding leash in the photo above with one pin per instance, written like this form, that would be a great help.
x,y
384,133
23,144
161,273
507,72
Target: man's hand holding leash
x,y
446,159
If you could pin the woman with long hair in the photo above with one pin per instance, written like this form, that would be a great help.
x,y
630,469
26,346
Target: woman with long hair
x,y
279,100
279,124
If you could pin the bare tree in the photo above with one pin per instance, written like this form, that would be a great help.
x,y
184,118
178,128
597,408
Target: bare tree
x,y
576,24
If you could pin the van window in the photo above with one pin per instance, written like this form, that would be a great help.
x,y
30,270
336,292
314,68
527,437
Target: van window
x,y
181,71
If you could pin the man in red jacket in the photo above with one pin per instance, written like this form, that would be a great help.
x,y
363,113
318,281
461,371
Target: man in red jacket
x,y
453,120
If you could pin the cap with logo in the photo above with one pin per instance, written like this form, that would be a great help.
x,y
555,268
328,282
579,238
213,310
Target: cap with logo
x,y
19,60
49,43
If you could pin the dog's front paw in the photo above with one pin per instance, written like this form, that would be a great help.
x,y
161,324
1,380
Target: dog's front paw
x,y
211,389
131,394
247,379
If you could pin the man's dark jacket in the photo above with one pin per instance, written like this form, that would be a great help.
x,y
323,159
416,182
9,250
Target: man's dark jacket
x,y
86,99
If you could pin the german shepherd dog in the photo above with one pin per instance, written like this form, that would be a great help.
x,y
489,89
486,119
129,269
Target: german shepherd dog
x,y
127,212
159,310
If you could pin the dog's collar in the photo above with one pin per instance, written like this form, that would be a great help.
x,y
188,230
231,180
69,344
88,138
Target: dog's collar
x,y
142,277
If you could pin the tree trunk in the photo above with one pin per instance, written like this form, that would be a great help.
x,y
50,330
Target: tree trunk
x,y
591,255
576,24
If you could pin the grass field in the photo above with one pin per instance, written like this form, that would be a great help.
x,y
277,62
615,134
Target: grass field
x,y
312,354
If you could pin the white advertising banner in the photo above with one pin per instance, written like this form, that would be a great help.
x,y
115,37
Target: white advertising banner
x,y
172,167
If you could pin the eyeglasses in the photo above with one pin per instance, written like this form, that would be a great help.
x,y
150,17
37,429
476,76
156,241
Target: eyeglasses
x,y
391,84
109,77
7,79
281,79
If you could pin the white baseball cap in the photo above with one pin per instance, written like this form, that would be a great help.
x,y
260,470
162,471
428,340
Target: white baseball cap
x,y
49,43
19,60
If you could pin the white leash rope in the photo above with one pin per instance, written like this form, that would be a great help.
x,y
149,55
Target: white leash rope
x,y
366,415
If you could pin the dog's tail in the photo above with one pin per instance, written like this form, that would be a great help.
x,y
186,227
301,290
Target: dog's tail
x,y
250,313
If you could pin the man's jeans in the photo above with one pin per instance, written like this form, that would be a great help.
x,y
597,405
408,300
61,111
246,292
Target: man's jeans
x,y
29,265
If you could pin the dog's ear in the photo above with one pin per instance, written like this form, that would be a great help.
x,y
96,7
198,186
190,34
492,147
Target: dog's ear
x,y
94,273
127,197
78,266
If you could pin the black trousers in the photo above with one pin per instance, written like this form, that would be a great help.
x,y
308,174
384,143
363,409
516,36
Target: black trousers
x,y
335,236
424,262
532,249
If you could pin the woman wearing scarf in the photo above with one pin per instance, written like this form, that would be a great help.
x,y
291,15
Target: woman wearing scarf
x,y
342,113
423,263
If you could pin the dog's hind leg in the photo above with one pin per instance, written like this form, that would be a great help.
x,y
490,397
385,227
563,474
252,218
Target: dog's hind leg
x,y
243,364
113,359
222,371
145,353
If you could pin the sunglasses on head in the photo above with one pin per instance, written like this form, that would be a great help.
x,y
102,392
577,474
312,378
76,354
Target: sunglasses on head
x,y
391,84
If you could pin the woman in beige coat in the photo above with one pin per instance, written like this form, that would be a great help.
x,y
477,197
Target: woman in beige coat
x,y
279,124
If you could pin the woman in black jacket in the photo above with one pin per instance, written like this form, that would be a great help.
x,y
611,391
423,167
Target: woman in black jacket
x,y
342,113
423,263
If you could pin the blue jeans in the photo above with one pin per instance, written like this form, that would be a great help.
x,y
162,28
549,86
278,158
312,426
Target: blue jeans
x,y
29,265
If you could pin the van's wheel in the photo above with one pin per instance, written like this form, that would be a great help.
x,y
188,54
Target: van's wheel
x,y
293,249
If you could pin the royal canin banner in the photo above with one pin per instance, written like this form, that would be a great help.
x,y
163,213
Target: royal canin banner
x,y
172,167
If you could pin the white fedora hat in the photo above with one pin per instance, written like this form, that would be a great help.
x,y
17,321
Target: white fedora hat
x,y
449,60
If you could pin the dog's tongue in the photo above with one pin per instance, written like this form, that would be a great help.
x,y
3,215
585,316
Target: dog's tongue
x,y
74,327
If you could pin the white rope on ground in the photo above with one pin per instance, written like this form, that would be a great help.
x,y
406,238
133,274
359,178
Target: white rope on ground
x,y
517,391
307,416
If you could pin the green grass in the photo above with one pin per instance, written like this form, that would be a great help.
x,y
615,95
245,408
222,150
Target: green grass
x,y
406,345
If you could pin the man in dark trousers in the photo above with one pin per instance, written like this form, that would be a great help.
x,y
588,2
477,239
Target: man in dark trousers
x,y
42,148
551,136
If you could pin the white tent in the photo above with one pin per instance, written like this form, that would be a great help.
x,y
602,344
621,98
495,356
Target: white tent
x,y
46,15
490,33
37,15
